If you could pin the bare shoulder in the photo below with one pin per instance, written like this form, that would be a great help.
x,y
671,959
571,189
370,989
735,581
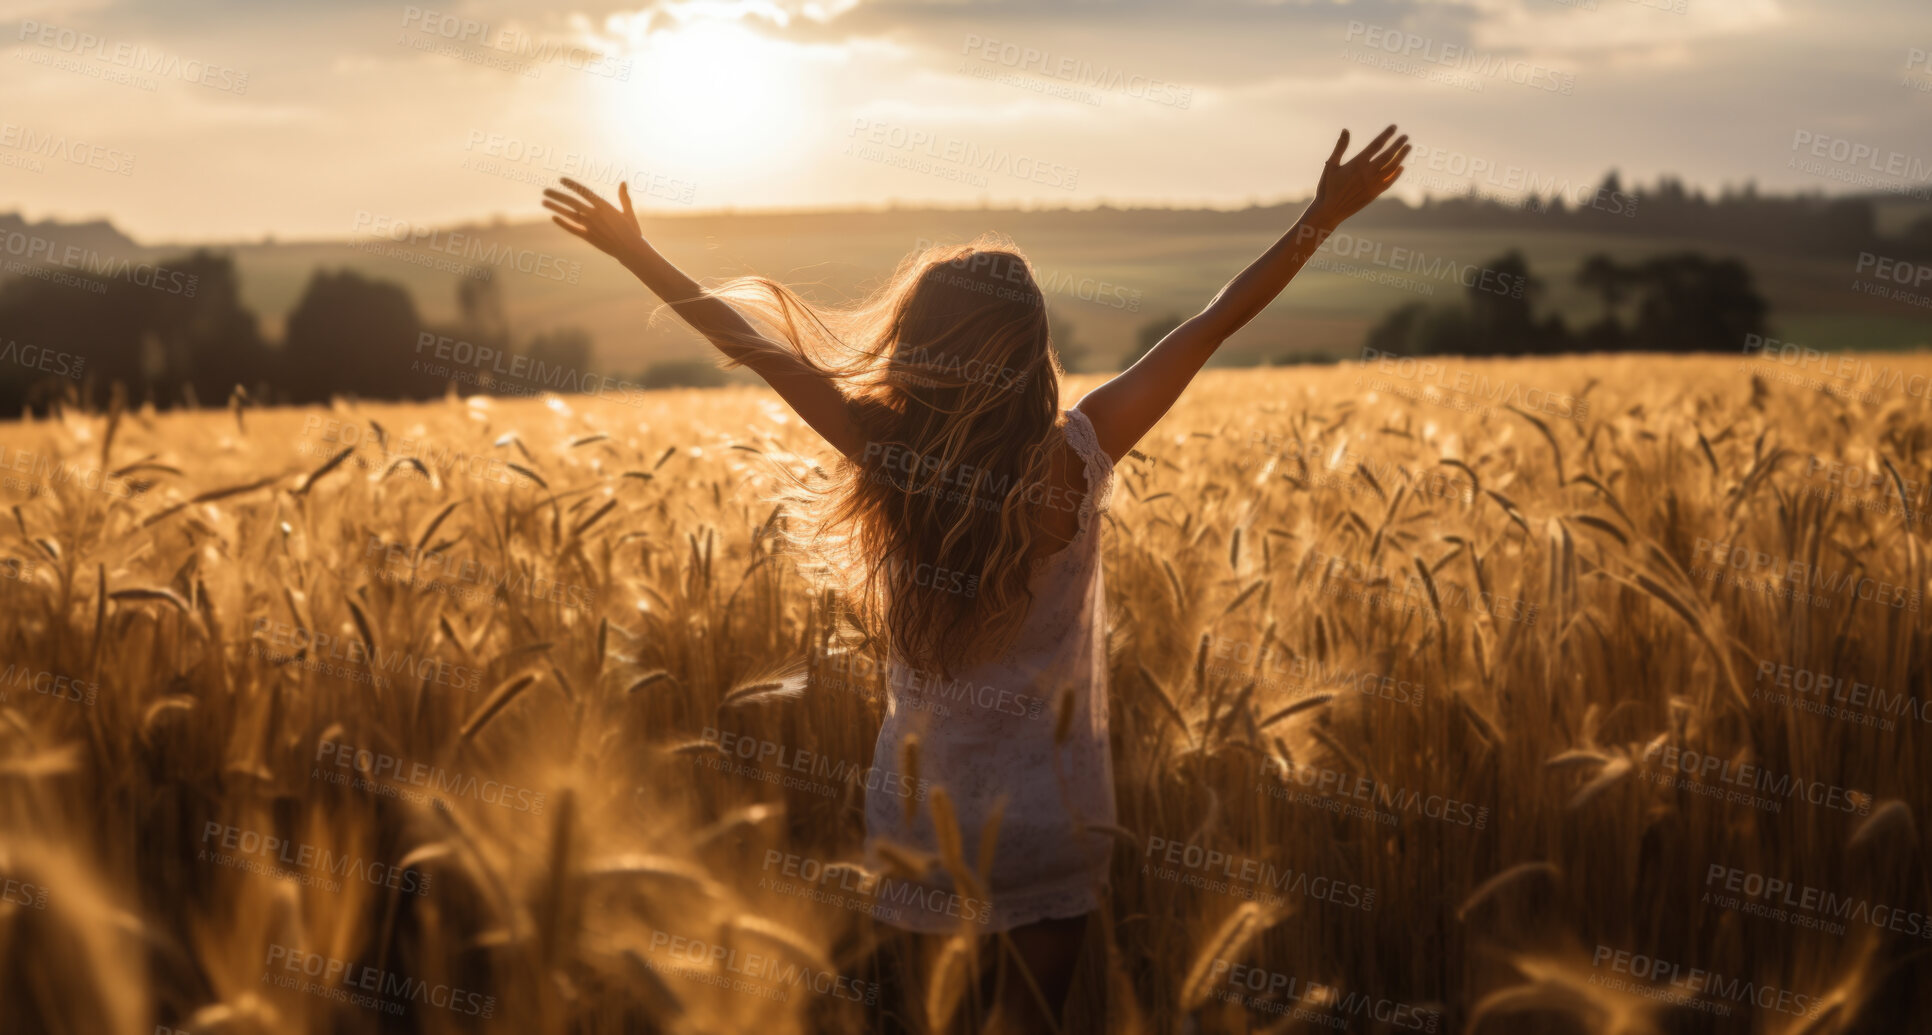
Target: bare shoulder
x,y
1107,410
1057,510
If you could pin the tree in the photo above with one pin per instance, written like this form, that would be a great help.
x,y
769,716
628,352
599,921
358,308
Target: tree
x,y
1612,282
350,334
1685,303
210,343
1689,303
1601,274
1500,297
176,330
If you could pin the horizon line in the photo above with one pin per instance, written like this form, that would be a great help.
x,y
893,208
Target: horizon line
x,y
498,220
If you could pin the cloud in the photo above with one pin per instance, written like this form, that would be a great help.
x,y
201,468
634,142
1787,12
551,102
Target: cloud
x,y
756,100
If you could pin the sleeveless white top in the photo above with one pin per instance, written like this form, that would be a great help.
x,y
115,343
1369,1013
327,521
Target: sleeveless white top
x,y
987,736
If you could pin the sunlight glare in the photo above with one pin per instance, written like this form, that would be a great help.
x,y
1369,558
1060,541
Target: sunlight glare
x,y
713,97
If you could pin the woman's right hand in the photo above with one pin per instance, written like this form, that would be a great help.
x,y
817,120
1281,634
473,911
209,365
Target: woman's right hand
x,y
1347,187
609,229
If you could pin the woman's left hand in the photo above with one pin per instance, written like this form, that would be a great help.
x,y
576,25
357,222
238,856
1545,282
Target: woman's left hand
x,y
611,230
1347,187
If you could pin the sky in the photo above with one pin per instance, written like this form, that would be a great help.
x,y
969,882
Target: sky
x,y
229,120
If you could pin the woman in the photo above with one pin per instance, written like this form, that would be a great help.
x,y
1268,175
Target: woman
x,y
966,514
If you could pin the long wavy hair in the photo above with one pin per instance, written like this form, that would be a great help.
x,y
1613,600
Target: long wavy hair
x,y
949,373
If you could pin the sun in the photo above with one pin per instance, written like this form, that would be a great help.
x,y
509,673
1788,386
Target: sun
x,y
713,97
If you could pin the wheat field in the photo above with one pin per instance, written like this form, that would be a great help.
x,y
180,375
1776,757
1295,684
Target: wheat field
x,y
1539,696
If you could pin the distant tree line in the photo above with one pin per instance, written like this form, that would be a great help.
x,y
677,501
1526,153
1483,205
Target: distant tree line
x,y
1672,303
354,335
1682,302
1676,303
1738,217
190,341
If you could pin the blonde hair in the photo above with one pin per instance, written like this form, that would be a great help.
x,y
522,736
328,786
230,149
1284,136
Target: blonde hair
x,y
950,377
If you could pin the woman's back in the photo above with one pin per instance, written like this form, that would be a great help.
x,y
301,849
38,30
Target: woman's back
x,y
986,736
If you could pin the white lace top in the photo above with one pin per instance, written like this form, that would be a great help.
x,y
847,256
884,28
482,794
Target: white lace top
x,y
987,737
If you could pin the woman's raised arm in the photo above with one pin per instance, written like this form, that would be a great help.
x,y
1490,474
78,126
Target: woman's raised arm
x,y
1123,409
615,232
